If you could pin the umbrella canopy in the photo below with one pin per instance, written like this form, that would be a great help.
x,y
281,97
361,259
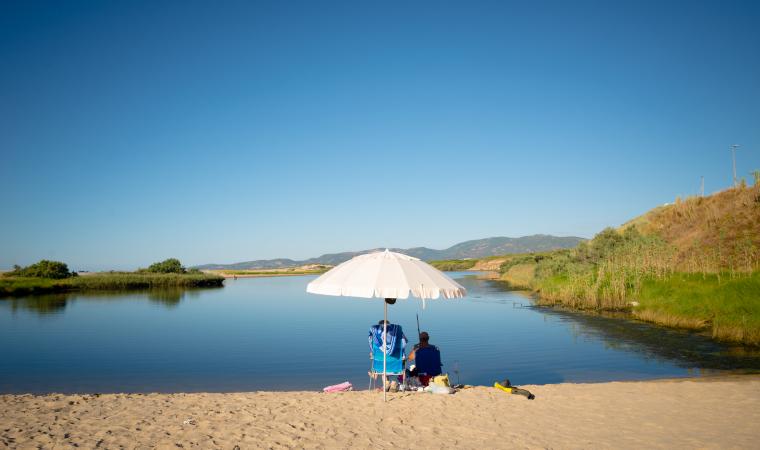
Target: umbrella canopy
x,y
387,275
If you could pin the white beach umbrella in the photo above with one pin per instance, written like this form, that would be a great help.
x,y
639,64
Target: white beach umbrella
x,y
386,275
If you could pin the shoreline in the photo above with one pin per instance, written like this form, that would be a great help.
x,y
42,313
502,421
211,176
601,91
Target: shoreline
x,y
263,275
708,378
668,413
646,310
260,273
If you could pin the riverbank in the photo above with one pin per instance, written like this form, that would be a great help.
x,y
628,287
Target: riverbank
x,y
727,307
693,264
107,281
703,413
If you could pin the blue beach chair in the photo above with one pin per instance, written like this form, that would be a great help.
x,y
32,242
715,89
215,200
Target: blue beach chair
x,y
428,361
396,345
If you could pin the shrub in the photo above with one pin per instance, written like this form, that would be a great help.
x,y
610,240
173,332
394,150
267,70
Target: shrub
x,y
44,269
171,265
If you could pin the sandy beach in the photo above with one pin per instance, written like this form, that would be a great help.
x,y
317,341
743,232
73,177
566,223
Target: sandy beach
x,y
704,413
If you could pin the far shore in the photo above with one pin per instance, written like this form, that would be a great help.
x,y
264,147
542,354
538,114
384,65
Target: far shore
x,y
259,273
718,412
262,275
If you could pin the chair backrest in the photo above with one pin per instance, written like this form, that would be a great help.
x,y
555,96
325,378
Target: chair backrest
x,y
393,340
428,360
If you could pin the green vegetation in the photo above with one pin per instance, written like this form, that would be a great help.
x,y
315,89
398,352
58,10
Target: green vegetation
x,y
451,265
44,269
604,273
171,265
639,273
519,270
20,286
728,306
693,264
53,277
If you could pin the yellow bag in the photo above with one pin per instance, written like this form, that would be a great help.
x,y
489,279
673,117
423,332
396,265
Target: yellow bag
x,y
441,380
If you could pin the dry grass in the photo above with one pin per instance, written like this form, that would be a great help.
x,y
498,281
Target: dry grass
x,y
520,275
718,233
694,264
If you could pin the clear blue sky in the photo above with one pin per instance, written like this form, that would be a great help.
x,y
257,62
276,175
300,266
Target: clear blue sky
x,y
221,132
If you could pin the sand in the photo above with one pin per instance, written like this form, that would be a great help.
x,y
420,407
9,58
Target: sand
x,y
722,413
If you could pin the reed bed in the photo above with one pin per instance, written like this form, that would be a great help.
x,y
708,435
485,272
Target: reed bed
x,y
20,286
693,264
451,265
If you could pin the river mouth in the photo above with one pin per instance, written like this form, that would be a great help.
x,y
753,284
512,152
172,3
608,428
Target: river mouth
x,y
269,334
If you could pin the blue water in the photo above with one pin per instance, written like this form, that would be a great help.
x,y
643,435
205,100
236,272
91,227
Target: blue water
x,y
267,333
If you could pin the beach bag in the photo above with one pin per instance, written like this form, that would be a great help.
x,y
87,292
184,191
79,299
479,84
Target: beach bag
x,y
438,389
441,380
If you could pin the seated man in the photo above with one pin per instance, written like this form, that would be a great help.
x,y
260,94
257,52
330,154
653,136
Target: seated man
x,y
427,360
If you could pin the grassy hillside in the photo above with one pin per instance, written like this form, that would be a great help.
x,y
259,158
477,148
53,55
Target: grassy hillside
x,y
692,264
709,234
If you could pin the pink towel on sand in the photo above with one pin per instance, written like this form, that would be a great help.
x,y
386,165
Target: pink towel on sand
x,y
342,387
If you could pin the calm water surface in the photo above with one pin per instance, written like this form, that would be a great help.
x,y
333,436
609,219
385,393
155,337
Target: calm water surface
x,y
267,333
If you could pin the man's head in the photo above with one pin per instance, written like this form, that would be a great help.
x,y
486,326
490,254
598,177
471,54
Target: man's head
x,y
424,337
383,322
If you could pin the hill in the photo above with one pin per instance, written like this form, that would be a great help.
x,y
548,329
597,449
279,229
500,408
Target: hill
x,y
479,248
709,234
691,264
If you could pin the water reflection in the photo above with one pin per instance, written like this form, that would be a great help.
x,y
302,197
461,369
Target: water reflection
x,y
619,331
48,304
684,348
41,304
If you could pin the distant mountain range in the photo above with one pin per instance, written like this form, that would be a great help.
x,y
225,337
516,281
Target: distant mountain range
x,y
478,248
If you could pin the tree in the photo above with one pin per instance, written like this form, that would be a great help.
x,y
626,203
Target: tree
x,y
43,269
171,265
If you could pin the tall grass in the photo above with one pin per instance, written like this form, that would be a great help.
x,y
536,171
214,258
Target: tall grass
x,y
19,286
697,266
605,273
520,276
451,265
729,306
717,234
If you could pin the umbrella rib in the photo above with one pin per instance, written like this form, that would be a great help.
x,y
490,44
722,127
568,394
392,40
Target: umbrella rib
x,y
422,274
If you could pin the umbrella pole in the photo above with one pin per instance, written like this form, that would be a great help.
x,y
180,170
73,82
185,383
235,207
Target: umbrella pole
x,y
385,352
